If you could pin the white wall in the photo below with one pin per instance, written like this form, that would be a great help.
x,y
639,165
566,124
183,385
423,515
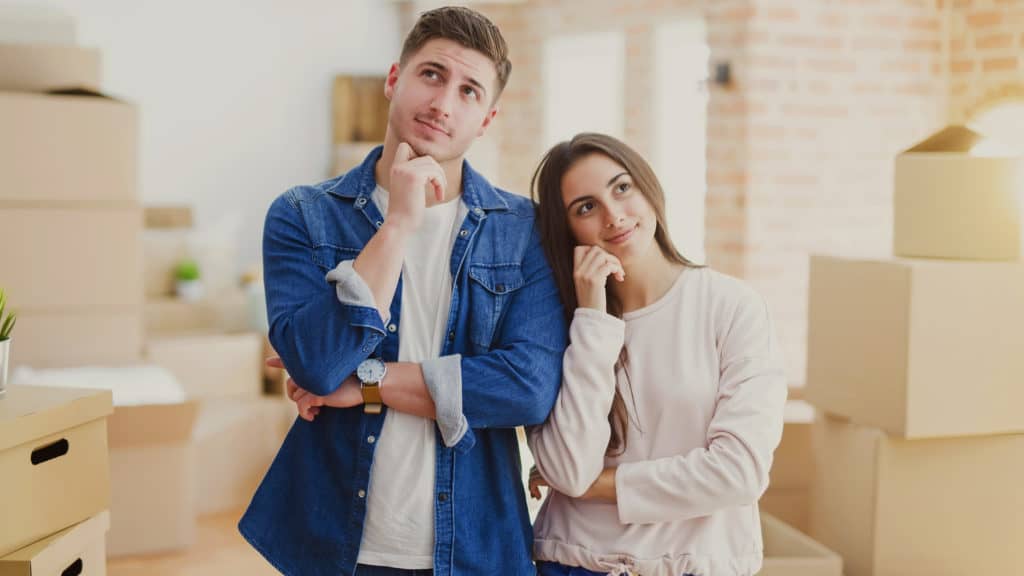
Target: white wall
x,y
234,96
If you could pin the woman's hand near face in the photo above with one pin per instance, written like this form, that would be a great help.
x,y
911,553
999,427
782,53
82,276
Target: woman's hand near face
x,y
591,268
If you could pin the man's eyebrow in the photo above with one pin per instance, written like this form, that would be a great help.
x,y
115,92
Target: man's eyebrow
x,y
469,79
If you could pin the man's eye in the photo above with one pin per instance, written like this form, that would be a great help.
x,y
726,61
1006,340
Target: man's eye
x,y
471,92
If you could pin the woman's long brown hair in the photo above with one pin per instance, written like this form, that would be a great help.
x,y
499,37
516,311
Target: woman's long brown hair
x,y
558,242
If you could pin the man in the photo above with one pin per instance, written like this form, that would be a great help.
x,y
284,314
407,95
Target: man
x,y
418,340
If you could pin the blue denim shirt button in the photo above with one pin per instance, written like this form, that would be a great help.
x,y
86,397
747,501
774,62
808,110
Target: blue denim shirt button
x,y
443,496
463,233
361,201
392,328
478,211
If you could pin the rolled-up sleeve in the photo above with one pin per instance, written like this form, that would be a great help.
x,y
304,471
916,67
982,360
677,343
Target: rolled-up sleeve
x,y
320,339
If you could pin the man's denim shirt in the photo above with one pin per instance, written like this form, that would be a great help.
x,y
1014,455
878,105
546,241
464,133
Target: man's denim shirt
x,y
500,368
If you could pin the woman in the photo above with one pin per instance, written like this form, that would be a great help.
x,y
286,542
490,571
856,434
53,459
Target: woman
x,y
661,439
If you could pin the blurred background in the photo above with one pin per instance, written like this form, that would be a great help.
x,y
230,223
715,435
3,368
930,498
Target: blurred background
x,y
775,128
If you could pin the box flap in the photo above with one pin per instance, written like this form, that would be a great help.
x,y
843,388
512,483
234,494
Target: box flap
x,y
783,541
58,548
41,68
959,139
30,412
963,141
132,426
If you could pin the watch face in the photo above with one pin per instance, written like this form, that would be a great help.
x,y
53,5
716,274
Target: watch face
x,y
371,370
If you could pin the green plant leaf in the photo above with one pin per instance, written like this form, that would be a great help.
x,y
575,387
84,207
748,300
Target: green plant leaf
x,y
5,330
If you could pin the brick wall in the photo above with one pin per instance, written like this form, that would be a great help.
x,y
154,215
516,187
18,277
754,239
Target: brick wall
x,y
986,43
828,93
801,144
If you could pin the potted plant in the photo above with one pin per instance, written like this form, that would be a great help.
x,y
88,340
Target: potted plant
x,y
7,321
189,285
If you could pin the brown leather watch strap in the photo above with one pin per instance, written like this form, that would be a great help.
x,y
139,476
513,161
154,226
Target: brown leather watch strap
x,y
371,398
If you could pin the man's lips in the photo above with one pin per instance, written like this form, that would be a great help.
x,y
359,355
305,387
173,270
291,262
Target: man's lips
x,y
621,236
431,125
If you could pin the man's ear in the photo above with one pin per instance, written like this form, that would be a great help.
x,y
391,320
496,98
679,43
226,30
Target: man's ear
x,y
391,80
487,121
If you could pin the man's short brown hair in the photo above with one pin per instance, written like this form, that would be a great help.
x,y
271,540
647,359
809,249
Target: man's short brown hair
x,y
469,28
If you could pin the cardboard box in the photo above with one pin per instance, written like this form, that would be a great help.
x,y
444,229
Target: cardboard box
x,y
45,67
920,348
77,550
71,260
793,461
53,461
62,340
787,552
169,216
788,495
955,199
236,440
894,507
68,151
170,316
791,505
212,365
152,476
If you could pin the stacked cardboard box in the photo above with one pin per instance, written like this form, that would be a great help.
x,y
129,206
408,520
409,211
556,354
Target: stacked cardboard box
x,y
70,241
917,364
54,465
793,468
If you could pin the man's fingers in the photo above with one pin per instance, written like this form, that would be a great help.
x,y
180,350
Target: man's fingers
x,y
404,152
274,362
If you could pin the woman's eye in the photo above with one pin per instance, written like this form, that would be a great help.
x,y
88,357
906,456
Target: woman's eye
x,y
585,208
623,187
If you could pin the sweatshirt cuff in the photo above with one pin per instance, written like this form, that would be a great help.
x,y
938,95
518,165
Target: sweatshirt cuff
x,y
350,287
597,333
443,377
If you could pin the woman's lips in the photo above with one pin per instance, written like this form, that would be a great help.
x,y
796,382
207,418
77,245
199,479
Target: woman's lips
x,y
621,237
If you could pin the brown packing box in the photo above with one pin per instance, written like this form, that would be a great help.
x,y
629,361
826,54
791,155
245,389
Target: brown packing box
x,y
793,461
955,199
169,216
79,550
236,440
62,260
919,348
67,151
228,312
44,67
211,365
939,507
53,461
788,495
61,340
152,478
787,552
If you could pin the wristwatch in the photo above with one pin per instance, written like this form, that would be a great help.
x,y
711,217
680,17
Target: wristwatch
x,y
371,373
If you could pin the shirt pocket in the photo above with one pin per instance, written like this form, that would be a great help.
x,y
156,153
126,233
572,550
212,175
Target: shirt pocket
x,y
491,288
328,256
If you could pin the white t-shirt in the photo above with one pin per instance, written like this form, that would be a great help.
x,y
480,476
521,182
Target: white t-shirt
x,y
399,528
